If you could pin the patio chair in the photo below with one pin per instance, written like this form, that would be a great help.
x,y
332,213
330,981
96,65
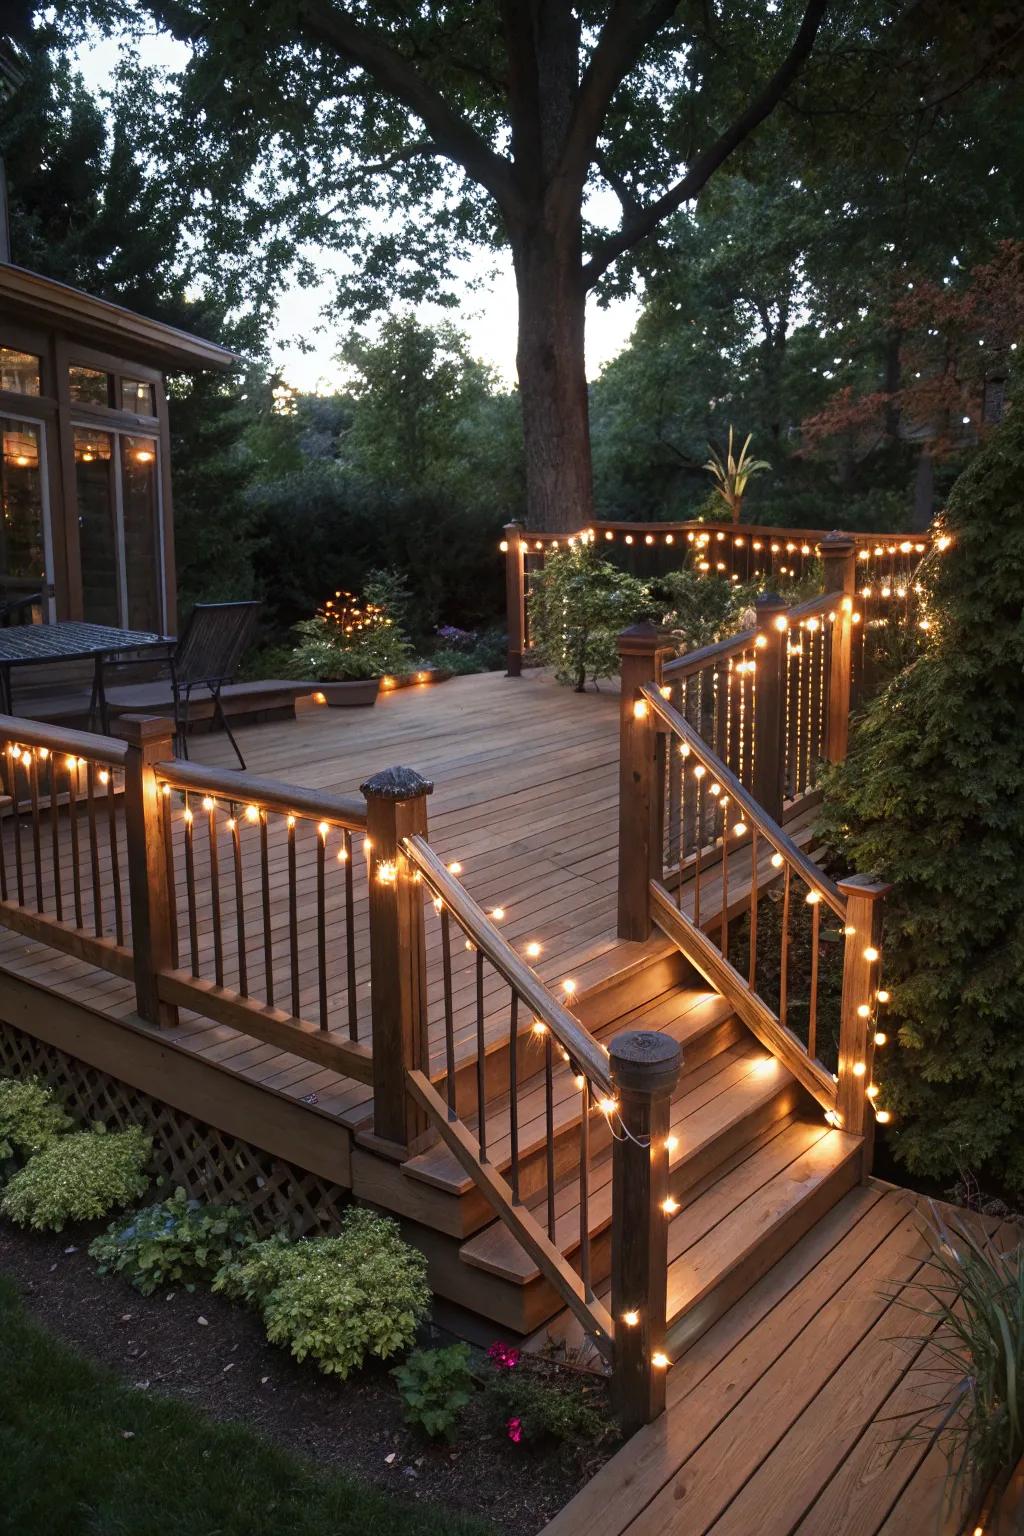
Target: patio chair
x,y
208,655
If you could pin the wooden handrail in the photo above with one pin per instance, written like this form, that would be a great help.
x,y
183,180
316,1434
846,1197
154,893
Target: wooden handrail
x,y
348,811
719,650
752,812
56,738
588,1056
811,607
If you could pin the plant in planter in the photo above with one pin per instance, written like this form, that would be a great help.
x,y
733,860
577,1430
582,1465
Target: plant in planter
x,y
348,646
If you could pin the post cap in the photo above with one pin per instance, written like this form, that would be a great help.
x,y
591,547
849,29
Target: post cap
x,y
769,602
138,729
397,784
871,886
643,639
644,1060
836,543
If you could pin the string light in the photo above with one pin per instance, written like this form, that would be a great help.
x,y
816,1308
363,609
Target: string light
x,y
569,987
670,1206
671,1143
883,996
631,1319
209,803
539,1027
104,776
882,1116
859,1069
871,954
777,861
640,709
455,868
252,813
660,1360
812,898
497,914
387,872
342,854
532,950
881,1038
607,1106
290,823
872,1091
186,816
863,1011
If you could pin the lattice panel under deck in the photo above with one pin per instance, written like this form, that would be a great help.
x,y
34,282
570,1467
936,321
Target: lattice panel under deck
x,y
208,1163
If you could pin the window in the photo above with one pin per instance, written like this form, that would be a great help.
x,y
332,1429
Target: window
x,y
88,386
142,555
138,397
22,491
97,526
19,371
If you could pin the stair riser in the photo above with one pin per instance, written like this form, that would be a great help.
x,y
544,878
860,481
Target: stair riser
x,y
688,1326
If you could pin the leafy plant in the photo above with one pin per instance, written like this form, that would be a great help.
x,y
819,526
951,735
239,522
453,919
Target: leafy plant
x,y
975,1297
79,1177
731,473
177,1242
338,1299
579,603
435,1386
30,1117
703,609
929,798
531,1398
349,639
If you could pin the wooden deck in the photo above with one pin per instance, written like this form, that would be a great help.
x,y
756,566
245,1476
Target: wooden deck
x,y
785,1418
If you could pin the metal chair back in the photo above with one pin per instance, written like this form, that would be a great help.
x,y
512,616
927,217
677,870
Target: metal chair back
x,y
213,643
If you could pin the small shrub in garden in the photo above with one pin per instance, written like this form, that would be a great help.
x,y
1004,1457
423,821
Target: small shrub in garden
x,y
78,1178
703,609
579,603
336,1300
177,1242
529,1400
435,1386
30,1117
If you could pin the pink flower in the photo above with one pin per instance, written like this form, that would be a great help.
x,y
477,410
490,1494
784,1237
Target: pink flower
x,y
515,1430
505,1356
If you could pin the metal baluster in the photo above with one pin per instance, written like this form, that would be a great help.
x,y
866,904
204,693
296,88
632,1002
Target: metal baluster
x,y
37,839
58,894
698,774
549,1120
172,889
210,806
350,935
449,1011
76,872
115,853
481,1065
812,1017
16,817
268,931
321,922
236,855
585,1186
293,920
724,934
94,851
190,888
784,959
513,1093
752,972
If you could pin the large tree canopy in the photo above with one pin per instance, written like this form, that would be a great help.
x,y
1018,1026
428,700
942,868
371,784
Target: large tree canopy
x,y
404,135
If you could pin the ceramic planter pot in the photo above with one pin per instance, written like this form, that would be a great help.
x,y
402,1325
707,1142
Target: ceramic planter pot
x,y
361,690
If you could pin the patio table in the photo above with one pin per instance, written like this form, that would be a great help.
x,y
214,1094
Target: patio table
x,y
39,644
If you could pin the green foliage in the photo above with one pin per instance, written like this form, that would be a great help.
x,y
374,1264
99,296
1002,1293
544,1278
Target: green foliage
x,y
704,608
83,1453
347,639
579,603
533,1401
975,1302
930,799
731,473
178,1242
435,1386
30,1117
336,1300
78,1178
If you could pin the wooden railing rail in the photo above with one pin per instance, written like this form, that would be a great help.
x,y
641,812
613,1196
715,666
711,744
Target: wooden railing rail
x,y
344,811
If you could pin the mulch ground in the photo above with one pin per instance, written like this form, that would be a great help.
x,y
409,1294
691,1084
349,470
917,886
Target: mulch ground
x,y
213,1356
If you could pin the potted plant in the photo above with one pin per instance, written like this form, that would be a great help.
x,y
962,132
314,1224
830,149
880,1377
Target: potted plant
x,y
348,646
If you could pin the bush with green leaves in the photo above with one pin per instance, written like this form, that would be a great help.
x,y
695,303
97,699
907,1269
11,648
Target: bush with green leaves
x,y
177,1242
972,1292
347,639
336,1300
930,799
78,1178
579,603
30,1118
704,608
436,1385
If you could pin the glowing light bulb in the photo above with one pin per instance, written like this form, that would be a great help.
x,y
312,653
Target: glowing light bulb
x,y
670,1206
660,1360
580,1082
455,868
568,986
871,954
607,1106
539,1027
699,771
323,829
640,709
740,828
872,1091
863,1011
882,1116
104,776
532,951
882,995
859,1069
631,1319
438,903
209,803
252,813
812,898
165,789
777,861
186,816
671,1144
781,623
881,1038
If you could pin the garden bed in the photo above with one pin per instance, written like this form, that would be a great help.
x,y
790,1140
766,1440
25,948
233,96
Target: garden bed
x,y
213,1356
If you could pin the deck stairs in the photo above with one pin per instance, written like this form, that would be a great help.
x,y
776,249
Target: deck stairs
x,y
753,1167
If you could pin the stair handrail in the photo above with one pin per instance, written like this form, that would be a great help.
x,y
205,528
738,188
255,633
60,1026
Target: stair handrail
x,y
719,650
573,1036
768,828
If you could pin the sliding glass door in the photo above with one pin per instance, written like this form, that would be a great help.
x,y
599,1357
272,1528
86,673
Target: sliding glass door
x,y
25,548
119,529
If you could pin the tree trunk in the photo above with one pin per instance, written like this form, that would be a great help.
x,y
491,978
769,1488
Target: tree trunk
x,y
553,380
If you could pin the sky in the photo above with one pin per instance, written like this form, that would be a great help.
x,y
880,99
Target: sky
x,y
488,315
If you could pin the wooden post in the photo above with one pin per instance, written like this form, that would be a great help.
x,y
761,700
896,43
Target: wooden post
x,y
858,1021
769,780
839,557
150,740
645,1069
396,807
641,748
515,597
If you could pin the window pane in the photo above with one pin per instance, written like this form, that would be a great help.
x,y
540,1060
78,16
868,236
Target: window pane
x,y
22,551
137,396
141,532
89,386
19,371
94,476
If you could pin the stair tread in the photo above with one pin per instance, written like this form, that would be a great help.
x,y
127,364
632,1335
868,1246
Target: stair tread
x,y
699,1120
686,1015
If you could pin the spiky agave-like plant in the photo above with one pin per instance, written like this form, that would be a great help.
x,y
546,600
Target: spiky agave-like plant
x,y
732,473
